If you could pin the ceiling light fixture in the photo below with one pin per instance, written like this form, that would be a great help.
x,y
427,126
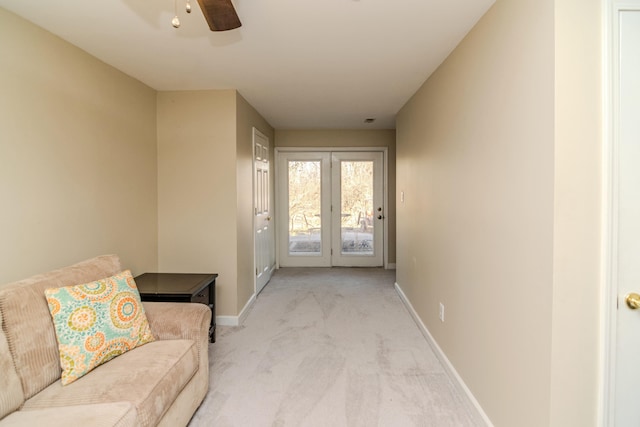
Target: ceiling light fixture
x,y
176,21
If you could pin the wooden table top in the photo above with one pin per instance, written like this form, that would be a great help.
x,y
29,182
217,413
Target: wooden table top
x,y
173,283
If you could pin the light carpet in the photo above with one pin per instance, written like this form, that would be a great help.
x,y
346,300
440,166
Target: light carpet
x,y
329,347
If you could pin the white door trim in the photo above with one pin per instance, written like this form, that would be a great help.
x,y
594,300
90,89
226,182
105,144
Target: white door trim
x,y
608,333
610,192
385,188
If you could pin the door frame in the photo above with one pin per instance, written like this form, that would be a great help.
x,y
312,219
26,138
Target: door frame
x,y
610,194
385,188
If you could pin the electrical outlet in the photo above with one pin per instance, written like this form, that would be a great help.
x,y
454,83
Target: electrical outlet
x,y
441,312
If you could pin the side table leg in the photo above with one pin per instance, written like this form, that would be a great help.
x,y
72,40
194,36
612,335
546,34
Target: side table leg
x,y
212,306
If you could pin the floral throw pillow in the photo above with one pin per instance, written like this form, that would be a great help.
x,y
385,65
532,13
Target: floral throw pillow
x,y
96,322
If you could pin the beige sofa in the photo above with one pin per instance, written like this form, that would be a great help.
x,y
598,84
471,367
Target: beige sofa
x,y
159,383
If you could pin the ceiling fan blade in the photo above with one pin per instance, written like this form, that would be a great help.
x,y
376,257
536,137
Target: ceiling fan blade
x,y
220,14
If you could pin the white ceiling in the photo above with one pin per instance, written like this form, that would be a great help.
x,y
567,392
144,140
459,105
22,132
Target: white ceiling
x,y
302,64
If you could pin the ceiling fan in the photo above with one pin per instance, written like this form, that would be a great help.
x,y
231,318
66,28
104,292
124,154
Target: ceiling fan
x,y
220,14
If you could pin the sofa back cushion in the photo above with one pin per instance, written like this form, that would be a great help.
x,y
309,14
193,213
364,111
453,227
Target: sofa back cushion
x,y
27,323
11,395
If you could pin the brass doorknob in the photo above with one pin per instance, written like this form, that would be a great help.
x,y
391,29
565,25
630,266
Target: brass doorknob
x,y
632,300
268,218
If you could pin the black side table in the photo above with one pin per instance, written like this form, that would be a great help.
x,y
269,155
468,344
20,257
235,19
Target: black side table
x,y
180,287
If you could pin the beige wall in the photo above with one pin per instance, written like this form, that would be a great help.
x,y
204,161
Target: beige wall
x,y
504,141
205,189
498,155
246,119
197,212
77,157
475,158
575,339
93,161
352,138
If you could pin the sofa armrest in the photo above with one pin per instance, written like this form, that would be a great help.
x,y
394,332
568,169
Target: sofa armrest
x,y
183,320
190,321
177,320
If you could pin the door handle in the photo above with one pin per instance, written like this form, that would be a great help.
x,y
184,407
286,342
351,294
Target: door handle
x,y
632,300
268,218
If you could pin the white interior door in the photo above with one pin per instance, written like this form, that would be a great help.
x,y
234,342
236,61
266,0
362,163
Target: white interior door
x,y
626,219
357,209
264,246
304,231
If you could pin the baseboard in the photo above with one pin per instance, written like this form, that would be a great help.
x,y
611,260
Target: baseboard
x,y
239,319
246,309
227,320
476,409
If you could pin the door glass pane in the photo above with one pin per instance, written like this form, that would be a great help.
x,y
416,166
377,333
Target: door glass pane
x,y
304,207
356,222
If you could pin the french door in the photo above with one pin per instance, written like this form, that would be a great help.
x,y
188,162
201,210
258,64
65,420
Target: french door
x,y
357,209
331,209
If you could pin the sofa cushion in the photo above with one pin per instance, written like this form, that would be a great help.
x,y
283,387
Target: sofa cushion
x,y
150,377
27,322
96,322
11,395
119,414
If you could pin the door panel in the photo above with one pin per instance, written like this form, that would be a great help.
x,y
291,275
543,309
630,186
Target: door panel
x,y
264,247
358,213
627,269
305,205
